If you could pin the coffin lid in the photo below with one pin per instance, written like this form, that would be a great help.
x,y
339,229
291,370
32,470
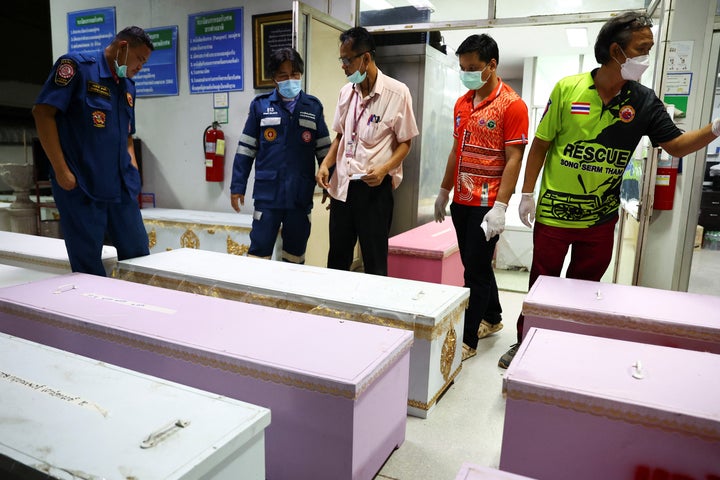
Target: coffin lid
x,y
432,240
679,314
594,375
316,353
56,405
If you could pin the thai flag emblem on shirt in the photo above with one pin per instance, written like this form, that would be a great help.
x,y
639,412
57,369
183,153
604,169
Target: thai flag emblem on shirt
x,y
580,108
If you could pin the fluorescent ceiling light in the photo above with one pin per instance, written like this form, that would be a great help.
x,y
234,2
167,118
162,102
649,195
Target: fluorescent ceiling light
x,y
577,37
376,5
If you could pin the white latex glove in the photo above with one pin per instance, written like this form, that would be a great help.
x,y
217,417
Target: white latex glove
x,y
441,204
527,209
495,220
716,127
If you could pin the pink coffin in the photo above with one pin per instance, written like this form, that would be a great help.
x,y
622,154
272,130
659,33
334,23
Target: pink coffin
x,y
639,314
337,390
585,407
471,471
428,253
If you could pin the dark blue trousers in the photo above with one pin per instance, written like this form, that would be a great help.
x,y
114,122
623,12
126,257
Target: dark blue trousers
x,y
84,223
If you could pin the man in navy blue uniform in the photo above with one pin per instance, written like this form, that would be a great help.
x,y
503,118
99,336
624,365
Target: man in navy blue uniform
x,y
286,135
85,118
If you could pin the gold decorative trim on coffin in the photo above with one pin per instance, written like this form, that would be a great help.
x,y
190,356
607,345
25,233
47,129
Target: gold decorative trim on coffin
x,y
434,399
196,226
447,354
205,360
421,331
152,238
433,255
624,322
635,414
46,262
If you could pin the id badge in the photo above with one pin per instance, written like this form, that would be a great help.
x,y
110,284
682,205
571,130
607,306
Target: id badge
x,y
350,149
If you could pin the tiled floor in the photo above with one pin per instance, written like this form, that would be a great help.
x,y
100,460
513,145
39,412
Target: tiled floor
x,y
467,423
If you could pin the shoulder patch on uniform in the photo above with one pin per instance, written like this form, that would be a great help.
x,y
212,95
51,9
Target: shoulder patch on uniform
x,y
65,72
97,89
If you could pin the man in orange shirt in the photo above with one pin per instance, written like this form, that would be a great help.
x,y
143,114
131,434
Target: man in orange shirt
x,y
491,127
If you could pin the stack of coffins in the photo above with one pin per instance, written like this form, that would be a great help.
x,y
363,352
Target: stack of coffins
x,y
337,390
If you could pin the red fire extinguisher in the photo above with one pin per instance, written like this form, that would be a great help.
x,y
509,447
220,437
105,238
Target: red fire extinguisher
x,y
214,145
665,181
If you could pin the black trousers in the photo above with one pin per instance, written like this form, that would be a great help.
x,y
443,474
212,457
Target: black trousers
x,y
476,254
366,215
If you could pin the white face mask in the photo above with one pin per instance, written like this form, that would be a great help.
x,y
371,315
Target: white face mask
x,y
633,68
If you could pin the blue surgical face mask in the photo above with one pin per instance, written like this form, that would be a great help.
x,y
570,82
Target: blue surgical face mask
x,y
289,88
356,76
121,70
473,80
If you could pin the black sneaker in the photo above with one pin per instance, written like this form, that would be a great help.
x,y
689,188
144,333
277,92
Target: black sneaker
x,y
508,356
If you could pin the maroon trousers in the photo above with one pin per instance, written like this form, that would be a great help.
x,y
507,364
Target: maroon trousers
x,y
589,258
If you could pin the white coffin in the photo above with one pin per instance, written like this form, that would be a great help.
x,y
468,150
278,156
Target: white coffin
x,y
43,253
10,275
591,408
63,413
433,312
470,471
337,390
638,314
226,232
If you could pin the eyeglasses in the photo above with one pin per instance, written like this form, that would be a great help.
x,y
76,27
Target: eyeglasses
x,y
347,61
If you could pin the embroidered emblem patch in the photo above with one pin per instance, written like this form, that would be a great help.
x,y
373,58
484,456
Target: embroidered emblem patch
x,y
627,114
129,99
65,72
491,124
307,136
97,89
98,119
270,134
481,122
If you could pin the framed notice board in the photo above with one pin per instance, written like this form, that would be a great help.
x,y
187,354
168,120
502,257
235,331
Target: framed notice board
x,y
269,32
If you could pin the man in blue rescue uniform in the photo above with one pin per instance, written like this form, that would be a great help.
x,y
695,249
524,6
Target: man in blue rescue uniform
x,y
286,135
85,118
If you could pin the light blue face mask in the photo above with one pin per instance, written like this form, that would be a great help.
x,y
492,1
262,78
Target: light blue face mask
x,y
473,80
289,88
356,76
121,70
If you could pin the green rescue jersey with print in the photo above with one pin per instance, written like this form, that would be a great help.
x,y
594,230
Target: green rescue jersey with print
x,y
590,145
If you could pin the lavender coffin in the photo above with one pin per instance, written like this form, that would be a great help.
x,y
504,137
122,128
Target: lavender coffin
x,y
434,313
639,314
428,253
68,416
337,390
591,408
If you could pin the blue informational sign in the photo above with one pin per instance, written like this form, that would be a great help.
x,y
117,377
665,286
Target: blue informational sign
x,y
90,30
215,51
159,75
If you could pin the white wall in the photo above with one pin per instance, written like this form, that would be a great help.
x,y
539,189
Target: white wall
x,y
171,128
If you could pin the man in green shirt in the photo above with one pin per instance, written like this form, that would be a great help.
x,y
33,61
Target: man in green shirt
x,y
591,126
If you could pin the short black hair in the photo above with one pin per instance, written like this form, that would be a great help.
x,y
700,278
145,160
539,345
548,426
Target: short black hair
x,y
135,36
282,55
619,30
484,45
360,40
